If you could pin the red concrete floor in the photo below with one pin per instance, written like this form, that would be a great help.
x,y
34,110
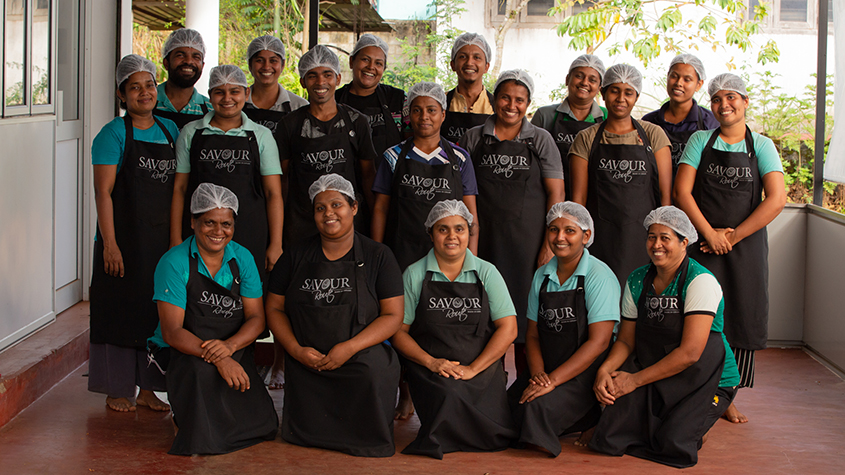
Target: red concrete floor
x,y
797,425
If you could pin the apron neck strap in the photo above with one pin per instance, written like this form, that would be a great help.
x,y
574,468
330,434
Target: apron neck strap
x,y
364,295
450,153
236,277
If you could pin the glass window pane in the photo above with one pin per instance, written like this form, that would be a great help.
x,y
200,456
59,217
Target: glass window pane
x,y
41,52
15,65
793,10
67,75
502,6
830,10
582,7
539,7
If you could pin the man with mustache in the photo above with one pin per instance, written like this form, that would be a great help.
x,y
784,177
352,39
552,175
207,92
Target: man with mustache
x,y
469,104
183,56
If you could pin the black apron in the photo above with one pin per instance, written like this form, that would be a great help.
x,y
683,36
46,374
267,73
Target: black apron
x,y
349,409
679,140
564,132
266,117
416,188
727,189
181,118
212,417
456,124
452,321
311,158
233,162
571,407
622,188
512,213
122,309
665,420
385,134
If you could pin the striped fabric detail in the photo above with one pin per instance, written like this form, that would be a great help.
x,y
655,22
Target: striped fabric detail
x,y
745,365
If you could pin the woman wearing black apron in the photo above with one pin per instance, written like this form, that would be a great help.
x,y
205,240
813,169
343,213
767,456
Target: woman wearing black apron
x,y
719,184
323,138
459,322
268,101
134,163
681,116
332,302
577,111
518,170
229,149
208,294
621,170
382,104
573,308
469,104
661,377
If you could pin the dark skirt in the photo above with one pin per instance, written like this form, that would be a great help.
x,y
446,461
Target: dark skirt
x,y
116,371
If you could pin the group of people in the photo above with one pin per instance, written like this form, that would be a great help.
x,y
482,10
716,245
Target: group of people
x,y
406,240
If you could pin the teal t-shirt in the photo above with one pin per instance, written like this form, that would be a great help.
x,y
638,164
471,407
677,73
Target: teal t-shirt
x,y
498,296
700,293
768,159
109,144
194,105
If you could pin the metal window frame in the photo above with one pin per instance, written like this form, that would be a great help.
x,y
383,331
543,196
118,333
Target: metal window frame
x,y
28,108
21,110
50,106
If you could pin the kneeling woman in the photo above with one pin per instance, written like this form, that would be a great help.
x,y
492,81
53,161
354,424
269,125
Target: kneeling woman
x,y
670,374
333,301
459,322
573,307
209,303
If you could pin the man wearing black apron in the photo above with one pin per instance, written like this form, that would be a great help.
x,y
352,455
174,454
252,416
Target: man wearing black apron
x,y
382,104
183,58
469,104
208,294
681,116
621,170
576,112
268,101
325,137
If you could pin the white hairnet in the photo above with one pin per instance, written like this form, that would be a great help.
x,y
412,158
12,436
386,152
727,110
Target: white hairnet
x,y
727,82
623,73
181,38
131,64
674,219
472,39
588,61
316,57
331,182
369,39
209,196
265,43
446,208
692,60
518,75
226,74
428,89
575,213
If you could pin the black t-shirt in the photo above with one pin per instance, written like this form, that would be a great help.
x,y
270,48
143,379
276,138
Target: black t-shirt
x,y
301,122
383,275
370,106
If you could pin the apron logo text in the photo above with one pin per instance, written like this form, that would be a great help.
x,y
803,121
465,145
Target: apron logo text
x,y
225,159
555,318
455,307
504,164
427,187
159,169
326,288
325,159
455,131
729,176
623,169
658,307
563,137
220,304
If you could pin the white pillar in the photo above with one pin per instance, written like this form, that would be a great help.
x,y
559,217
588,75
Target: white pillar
x,y
125,27
204,16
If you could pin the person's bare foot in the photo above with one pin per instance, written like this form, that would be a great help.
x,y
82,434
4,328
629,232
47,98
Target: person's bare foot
x,y
405,406
275,378
120,404
149,399
733,415
585,437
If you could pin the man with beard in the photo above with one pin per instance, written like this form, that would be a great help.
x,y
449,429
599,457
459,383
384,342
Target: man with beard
x,y
469,104
183,58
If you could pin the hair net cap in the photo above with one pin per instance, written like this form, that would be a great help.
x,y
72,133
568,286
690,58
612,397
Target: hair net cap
x,y
427,89
692,60
574,212
331,182
727,82
183,38
446,208
623,73
369,39
131,64
265,43
226,74
472,39
316,57
518,75
674,219
209,196
588,61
